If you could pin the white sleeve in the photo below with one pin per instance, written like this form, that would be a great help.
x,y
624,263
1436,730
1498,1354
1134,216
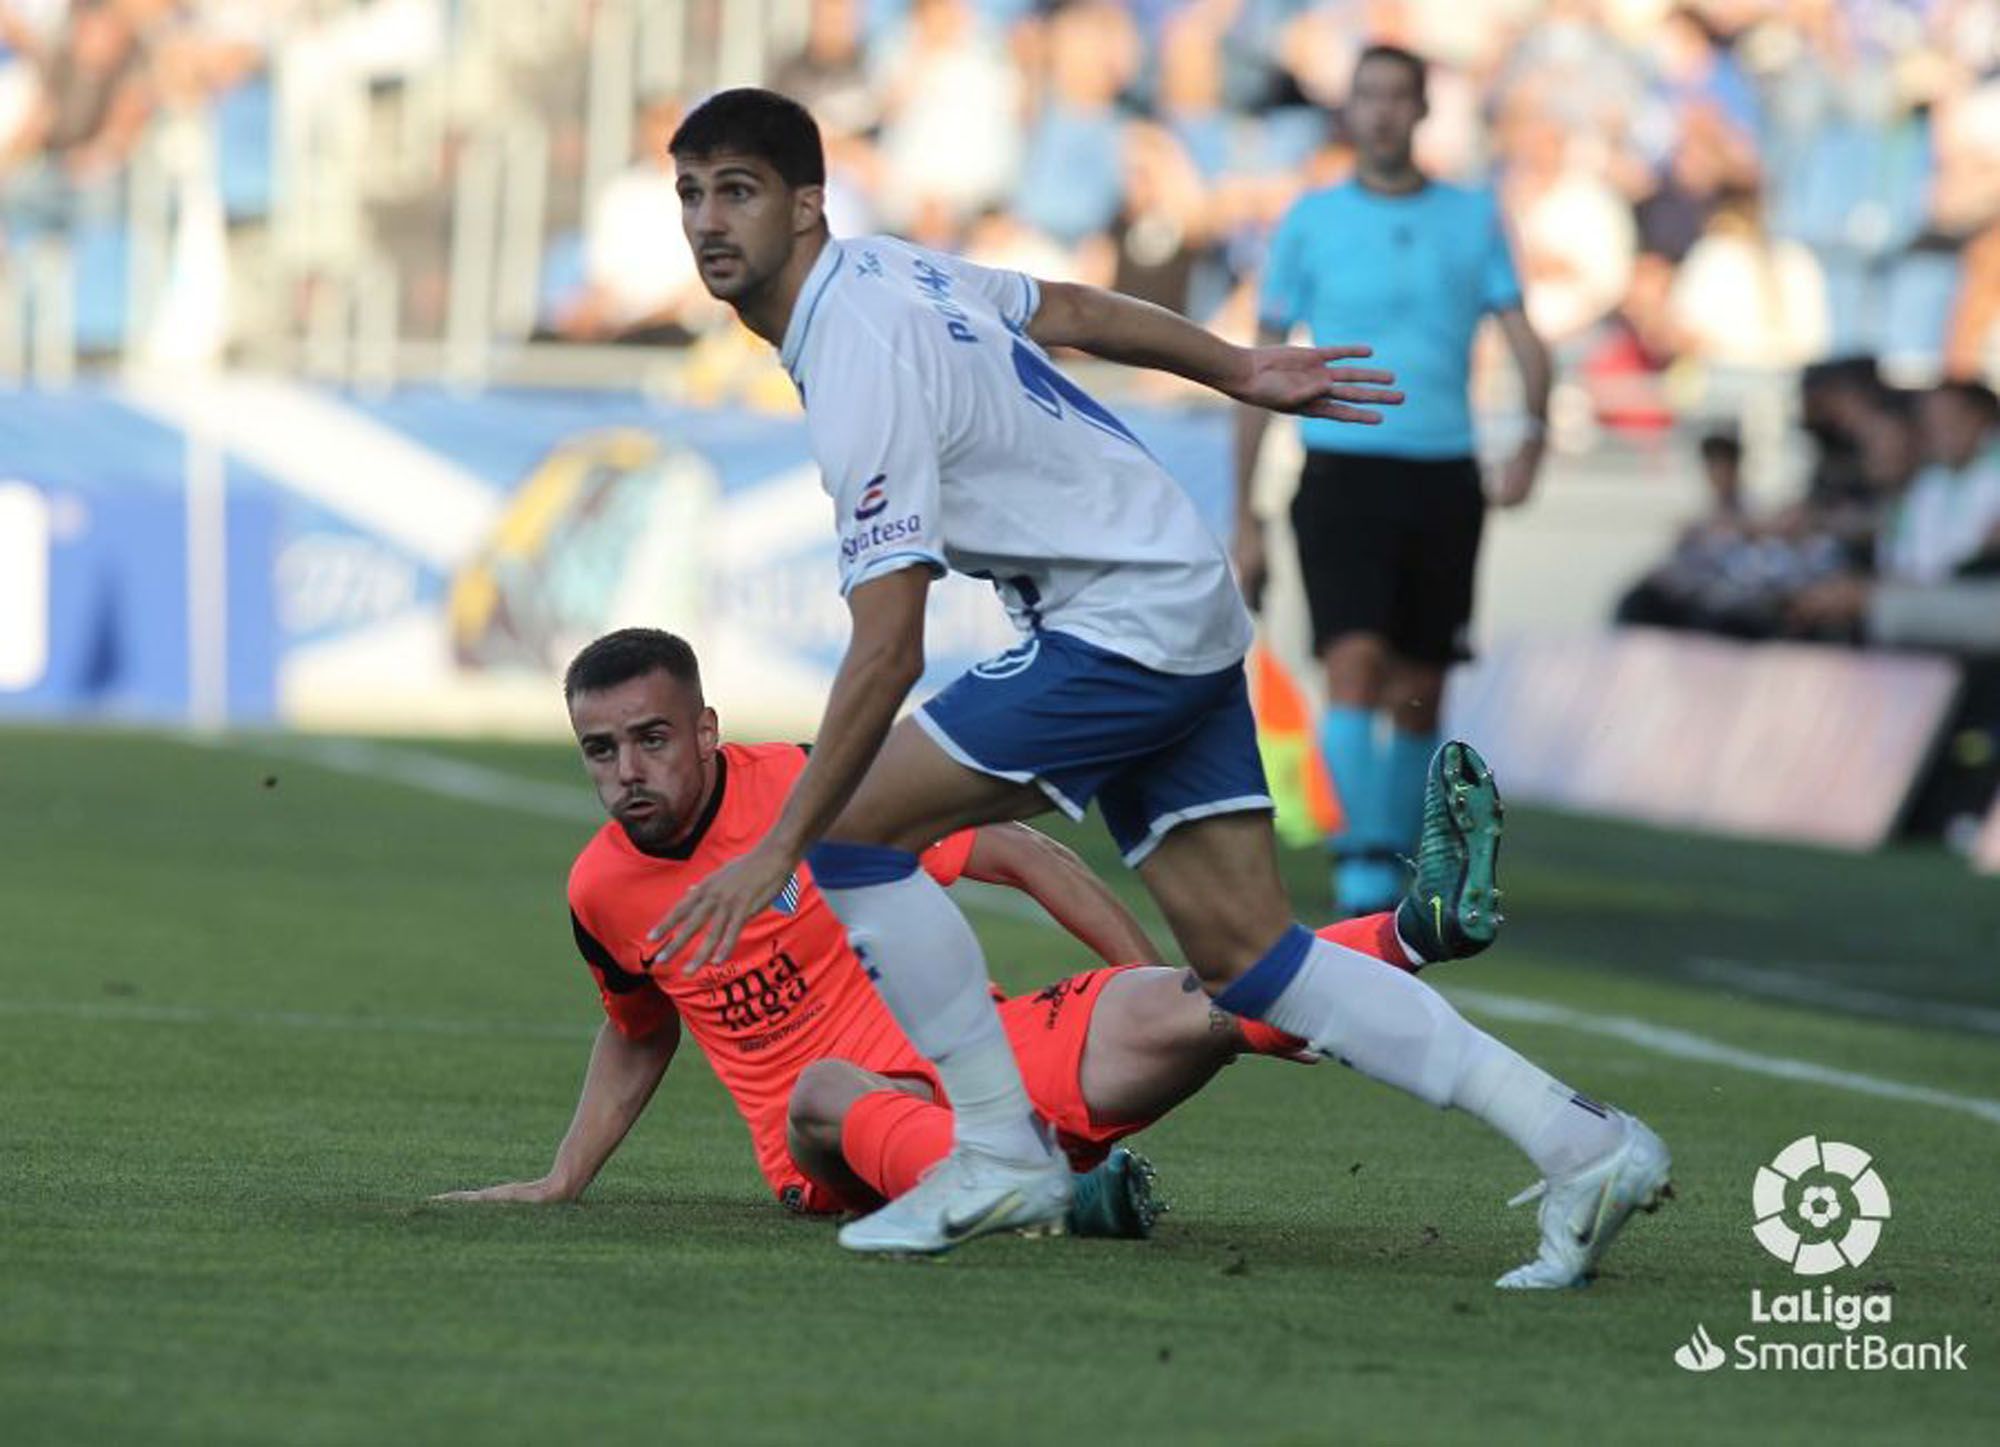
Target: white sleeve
x,y
1014,294
870,423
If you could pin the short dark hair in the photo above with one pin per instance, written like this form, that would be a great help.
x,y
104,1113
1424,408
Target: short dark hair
x,y
749,121
627,654
1722,444
1420,71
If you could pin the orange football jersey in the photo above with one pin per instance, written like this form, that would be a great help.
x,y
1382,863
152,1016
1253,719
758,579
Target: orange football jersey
x,y
791,992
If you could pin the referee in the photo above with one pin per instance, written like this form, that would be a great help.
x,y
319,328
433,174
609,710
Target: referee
x,y
1388,518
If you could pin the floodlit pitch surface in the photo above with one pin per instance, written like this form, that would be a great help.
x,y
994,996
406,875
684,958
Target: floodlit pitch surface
x,y
254,1008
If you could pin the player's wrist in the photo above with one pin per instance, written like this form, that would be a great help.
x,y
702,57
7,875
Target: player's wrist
x,y
1239,371
558,1186
785,841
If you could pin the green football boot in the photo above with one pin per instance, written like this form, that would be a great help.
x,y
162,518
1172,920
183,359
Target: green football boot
x,y
1452,907
1116,1199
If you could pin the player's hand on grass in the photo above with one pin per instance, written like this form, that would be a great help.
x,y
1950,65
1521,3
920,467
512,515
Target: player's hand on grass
x,y
1247,554
531,1192
1300,380
710,916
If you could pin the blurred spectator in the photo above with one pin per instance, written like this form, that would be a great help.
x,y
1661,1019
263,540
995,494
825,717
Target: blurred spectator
x,y
1886,452
1624,371
1698,72
1746,301
1576,235
1729,574
1674,595
1072,174
1708,158
1946,526
1001,239
28,32
1834,396
1950,520
951,140
90,104
1160,237
1190,95
830,76
639,280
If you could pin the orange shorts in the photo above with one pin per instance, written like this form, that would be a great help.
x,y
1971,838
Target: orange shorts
x,y
1047,1030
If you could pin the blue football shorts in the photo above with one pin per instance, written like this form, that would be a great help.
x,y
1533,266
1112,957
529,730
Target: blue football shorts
x,y
1154,749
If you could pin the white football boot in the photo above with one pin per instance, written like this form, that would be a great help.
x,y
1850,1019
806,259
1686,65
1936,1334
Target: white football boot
x,y
1585,1210
967,1194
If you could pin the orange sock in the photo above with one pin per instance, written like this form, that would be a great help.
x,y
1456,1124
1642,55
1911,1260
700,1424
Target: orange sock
x,y
1371,934
890,1138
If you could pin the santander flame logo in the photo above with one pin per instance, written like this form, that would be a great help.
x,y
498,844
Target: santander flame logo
x,y
1699,1353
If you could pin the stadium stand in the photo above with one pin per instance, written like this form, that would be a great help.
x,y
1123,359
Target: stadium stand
x,y
1778,222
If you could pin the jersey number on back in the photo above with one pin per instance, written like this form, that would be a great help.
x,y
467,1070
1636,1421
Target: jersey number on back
x,y
1051,391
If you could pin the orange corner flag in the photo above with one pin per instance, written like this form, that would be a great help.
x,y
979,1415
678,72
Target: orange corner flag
x,y
1308,808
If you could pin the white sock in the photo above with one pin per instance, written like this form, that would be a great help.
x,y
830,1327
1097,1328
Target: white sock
x,y
928,968
1394,1028
1558,1128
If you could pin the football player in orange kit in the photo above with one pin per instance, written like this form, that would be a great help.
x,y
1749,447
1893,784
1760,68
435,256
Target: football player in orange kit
x,y
843,1112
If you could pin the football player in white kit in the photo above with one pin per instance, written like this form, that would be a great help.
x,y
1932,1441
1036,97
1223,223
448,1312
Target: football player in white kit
x,y
948,440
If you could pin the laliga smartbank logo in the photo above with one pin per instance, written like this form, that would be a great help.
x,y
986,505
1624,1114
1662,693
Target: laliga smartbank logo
x,y
1819,1208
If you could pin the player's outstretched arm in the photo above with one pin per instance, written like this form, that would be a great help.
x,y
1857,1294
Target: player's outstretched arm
x,y
1054,877
1283,379
884,660
622,1077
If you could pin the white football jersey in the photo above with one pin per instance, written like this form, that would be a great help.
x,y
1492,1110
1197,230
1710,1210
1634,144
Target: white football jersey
x,y
946,437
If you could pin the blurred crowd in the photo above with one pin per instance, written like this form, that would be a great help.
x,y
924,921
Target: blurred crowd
x,y
81,82
1706,191
114,113
1702,193
1895,537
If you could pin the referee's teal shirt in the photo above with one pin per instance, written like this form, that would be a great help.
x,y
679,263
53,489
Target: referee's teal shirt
x,y
1410,275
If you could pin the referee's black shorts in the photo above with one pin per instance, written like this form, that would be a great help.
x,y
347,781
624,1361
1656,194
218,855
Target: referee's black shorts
x,y
1388,546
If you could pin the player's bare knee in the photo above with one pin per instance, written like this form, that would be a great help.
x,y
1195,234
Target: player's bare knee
x,y
821,1097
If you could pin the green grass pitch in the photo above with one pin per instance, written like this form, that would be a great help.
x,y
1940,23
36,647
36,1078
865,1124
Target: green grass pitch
x,y
254,1008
